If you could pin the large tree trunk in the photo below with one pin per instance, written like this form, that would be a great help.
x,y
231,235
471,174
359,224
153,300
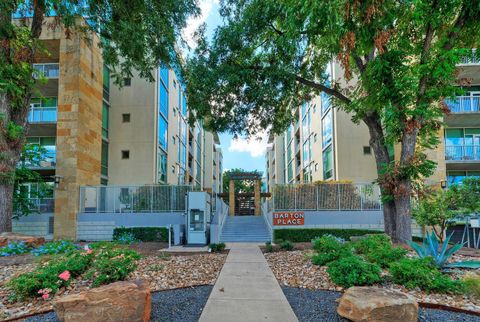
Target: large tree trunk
x,y
403,216
6,200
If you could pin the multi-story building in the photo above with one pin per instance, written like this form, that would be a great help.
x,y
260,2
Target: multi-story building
x,y
213,159
95,133
324,144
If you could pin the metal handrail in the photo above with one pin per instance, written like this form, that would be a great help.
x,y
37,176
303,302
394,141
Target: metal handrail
x,y
464,104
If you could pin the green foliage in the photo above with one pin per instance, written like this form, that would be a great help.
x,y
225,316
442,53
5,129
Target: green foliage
x,y
217,247
55,247
431,248
436,210
287,245
352,270
144,234
164,256
298,235
240,185
466,196
378,249
113,265
268,247
472,284
422,273
14,248
125,238
328,249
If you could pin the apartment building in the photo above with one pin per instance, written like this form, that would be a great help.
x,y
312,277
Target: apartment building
x,y
95,133
213,159
324,144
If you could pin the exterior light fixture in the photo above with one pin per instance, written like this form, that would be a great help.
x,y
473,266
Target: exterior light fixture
x,y
443,184
57,179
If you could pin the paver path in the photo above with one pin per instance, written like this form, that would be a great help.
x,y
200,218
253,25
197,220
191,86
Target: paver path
x,y
247,290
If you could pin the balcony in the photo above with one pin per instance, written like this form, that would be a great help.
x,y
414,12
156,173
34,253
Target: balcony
x,y
48,70
42,114
42,206
472,59
462,153
464,104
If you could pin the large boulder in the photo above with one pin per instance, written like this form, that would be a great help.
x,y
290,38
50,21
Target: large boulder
x,y
119,301
32,241
373,304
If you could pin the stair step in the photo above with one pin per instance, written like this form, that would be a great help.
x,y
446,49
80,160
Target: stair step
x,y
245,229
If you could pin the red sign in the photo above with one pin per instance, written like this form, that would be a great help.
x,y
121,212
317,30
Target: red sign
x,y
289,218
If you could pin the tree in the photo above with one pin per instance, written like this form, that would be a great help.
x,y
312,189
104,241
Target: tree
x,y
398,60
138,33
436,209
240,185
467,196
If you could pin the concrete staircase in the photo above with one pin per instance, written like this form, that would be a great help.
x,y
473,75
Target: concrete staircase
x,y
245,229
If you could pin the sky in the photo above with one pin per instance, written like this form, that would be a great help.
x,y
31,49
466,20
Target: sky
x,y
248,154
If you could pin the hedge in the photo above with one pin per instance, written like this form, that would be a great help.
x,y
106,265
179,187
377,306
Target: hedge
x,y
307,234
144,234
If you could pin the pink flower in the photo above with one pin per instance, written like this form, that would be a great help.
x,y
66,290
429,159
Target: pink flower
x,y
40,291
64,276
89,251
45,296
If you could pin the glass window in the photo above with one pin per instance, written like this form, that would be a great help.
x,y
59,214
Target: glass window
x,y
327,129
162,132
164,75
327,163
104,161
163,97
325,98
162,166
184,105
106,83
105,116
454,137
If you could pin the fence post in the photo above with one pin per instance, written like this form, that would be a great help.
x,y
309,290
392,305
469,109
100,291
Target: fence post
x,y
361,197
316,197
151,199
131,200
338,196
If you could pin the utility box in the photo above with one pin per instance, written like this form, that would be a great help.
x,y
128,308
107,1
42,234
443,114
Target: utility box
x,y
198,216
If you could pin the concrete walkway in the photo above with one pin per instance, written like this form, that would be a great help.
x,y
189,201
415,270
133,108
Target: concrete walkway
x,y
246,290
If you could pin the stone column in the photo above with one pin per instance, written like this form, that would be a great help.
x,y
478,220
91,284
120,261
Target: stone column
x,y
258,209
231,197
79,127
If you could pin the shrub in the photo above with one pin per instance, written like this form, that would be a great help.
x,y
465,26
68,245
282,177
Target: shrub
x,y
268,247
353,271
300,235
113,265
55,247
14,248
422,273
472,284
378,249
329,248
144,234
125,238
286,245
217,247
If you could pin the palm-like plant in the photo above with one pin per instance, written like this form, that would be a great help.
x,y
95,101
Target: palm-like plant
x,y
430,248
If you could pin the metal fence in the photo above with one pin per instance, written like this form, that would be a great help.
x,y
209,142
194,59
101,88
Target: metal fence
x,y
464,104
334,196
133,199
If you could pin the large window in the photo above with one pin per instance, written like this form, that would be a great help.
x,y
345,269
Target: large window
x,y
43,110
328,163
104,161
456,177
105,116
48,148
162,132
106,83
327,129
162,166
163,97
326,103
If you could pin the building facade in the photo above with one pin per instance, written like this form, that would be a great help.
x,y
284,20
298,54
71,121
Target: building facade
x,y
324,144
95,133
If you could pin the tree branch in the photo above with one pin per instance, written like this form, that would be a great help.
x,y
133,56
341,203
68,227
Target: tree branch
x,y
323,88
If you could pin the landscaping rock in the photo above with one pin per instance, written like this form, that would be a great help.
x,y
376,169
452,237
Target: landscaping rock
x,y
120,301
32,241
373,304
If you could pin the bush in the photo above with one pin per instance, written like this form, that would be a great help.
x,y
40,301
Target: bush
x,y
472,284
217,247
286,245
353,271
55,247
378,249
329,248
113,265
14,248
422,273
268,247
125,238
301,235
144,234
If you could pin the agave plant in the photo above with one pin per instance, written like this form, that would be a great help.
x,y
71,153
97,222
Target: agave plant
x,y
430,248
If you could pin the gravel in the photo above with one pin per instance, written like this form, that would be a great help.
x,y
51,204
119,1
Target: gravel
x,y
320,305
180,305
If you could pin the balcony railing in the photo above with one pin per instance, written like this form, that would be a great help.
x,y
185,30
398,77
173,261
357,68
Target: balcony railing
x,y
49,70
464,104
44,205
49,160
42,115
472,59
462,153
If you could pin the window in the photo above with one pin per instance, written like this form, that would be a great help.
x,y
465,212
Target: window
x,y
106,83
315,137
125,154
43,110
174,84
164,75
162,132
126,118
327,163
327,129
127,81
104,160
173,139
49,151
162,166
367,150
105,117
316,167
163,97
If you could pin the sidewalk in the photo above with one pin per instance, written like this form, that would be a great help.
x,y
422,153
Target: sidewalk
x,y
246,290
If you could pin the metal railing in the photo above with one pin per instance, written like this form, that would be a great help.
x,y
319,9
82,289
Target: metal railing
x,y
462,153
48,70
334,196
44,205
42,114
472,59
133,199
464,104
